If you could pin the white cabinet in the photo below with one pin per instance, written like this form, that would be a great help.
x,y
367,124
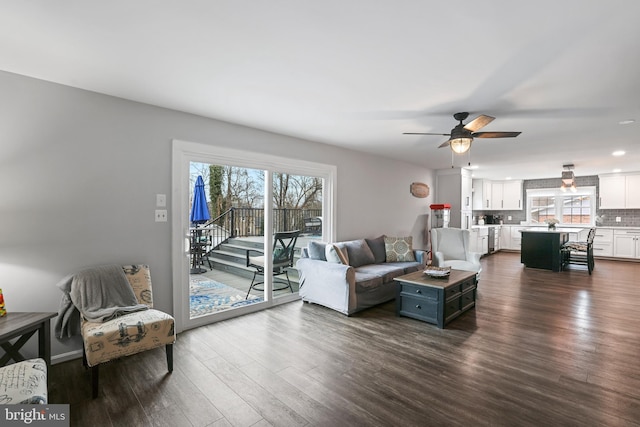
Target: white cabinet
x,y
467,192
481,194
512,195
626,243
479,240
496,195
516,238
497,244
603,242
466,219
632,191
612,192
620,191
473,239
454,186
505,237
510,237
502,195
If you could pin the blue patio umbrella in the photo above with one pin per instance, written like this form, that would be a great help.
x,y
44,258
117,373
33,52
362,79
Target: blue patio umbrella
x,y
199,215
199,208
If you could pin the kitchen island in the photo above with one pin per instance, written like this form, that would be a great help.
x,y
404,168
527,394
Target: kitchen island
x,y
541,247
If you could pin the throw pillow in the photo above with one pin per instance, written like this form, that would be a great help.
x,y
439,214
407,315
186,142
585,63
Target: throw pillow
x,y
281,255
377,247
334,254
316,250
359,253
399,249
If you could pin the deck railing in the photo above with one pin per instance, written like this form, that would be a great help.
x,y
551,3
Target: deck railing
x,y
246,222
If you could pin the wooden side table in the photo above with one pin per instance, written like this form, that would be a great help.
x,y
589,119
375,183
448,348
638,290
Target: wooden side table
x,y
24,325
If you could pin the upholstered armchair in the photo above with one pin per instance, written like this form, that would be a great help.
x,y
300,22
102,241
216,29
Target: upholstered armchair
x,y
450,248
24,382
129,333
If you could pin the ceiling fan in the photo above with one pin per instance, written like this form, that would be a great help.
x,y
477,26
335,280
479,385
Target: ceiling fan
x,y
462,135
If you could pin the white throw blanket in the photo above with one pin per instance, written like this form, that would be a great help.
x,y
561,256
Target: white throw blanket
x,y
99,294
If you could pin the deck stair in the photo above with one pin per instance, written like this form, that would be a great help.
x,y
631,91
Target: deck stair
x,y
231,258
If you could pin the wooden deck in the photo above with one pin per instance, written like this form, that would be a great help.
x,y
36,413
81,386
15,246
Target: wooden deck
x,y
242,283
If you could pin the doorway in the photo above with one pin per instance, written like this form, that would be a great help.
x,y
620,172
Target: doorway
x,y
242,226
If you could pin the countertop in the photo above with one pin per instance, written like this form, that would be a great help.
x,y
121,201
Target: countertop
x,y
569,227
555,230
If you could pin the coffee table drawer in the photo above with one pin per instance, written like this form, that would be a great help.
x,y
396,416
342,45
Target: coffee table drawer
x,y
452,308
470,283
419,308
468,299
451,291
410,290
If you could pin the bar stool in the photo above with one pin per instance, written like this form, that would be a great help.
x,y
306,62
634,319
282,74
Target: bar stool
x,y
579,252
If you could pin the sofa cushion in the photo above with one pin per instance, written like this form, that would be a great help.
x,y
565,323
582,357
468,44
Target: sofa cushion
x,y
358,252
316,250
387,271
377,247
336,255
367,282
408,267
399,249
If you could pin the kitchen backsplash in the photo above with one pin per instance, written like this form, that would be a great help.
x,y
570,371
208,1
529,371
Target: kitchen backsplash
x,y
628,217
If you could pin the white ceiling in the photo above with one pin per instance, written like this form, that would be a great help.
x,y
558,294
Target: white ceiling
x,y
358,73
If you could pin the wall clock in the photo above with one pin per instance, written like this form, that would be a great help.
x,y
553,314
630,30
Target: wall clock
x,y
418,189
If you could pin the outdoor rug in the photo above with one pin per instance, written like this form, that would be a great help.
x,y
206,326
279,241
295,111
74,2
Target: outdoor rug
x,y
208,296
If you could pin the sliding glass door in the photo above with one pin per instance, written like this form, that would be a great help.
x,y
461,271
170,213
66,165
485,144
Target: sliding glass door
x,y
242,257
220,277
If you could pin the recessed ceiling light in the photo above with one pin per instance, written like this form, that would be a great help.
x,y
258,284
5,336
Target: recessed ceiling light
x,y
618,153
626,122
507,178
617,170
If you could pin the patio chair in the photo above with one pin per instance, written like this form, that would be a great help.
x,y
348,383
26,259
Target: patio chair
x,y
130,333
580,253
284,243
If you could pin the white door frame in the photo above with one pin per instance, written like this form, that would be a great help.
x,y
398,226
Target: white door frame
x,y
183,153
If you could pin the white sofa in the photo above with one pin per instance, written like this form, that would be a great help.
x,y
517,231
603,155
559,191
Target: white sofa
x,y
362,279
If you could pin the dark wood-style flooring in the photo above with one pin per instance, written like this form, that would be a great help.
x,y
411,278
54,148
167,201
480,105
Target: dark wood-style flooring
x,y
541,348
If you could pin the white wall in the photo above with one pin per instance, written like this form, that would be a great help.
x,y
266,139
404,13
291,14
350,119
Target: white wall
x,y
79,172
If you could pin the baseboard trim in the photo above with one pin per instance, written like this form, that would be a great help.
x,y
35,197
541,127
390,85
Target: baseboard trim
x,y
65,357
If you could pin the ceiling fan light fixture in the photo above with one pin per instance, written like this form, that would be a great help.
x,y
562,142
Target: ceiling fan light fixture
x,y
460,145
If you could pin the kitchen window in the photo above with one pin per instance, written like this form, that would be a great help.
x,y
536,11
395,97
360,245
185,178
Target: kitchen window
x,y
568,208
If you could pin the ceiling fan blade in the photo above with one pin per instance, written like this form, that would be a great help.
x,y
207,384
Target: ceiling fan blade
x,y
479,122
496,134
422,133
444,144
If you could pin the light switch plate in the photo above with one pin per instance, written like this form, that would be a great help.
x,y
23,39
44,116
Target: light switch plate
x,y
161,200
